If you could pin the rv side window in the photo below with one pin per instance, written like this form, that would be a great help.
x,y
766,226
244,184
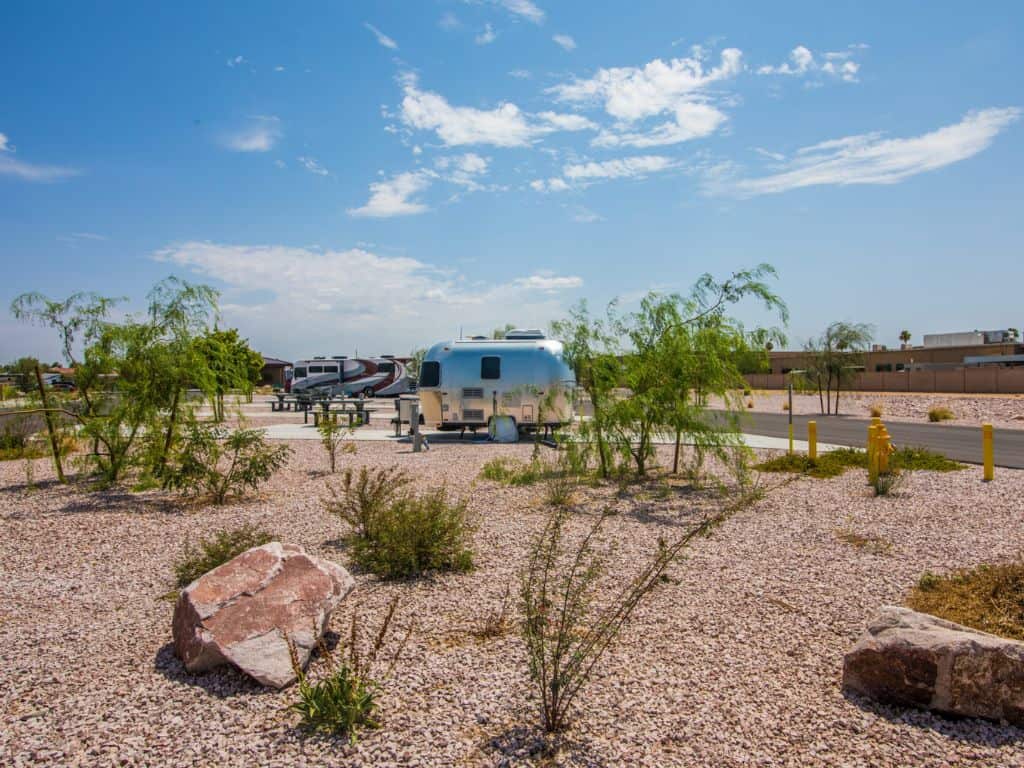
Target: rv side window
x,y
330,369
430,374
299,373
490,367
386,367
316,369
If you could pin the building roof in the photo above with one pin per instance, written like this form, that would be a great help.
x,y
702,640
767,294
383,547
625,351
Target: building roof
x,y
273,362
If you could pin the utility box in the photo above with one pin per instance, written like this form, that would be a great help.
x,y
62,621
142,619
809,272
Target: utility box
x,y
962,339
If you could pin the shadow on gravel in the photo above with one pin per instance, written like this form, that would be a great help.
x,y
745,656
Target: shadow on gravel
x,y
121,501
966,729
521,743
225,681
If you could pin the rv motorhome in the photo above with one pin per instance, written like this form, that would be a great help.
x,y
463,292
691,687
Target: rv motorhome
x,y
379,376
463,382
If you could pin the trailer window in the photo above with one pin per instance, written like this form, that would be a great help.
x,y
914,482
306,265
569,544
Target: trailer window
x,y
330,369
316,369
299,373
490,367
430,374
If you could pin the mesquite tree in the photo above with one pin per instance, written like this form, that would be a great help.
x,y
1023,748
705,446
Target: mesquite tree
x,y
831,361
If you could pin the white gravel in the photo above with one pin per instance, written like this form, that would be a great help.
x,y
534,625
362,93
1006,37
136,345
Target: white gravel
x,y
1002,411
734,662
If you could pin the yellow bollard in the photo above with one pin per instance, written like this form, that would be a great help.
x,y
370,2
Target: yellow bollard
x,y
872,453
988,452
812,439
791,438
884,449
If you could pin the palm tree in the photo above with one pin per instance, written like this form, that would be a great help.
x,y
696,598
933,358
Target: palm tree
x,y
905,337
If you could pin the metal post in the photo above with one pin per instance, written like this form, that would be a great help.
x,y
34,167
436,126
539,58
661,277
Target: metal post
x,y
414,418
988,452
791,415
873,453
812,439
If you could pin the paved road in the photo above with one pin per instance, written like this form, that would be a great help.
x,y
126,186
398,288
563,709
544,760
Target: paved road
x,y
960,443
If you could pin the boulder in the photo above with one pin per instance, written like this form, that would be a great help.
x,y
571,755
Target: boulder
x,y
913,659
245,611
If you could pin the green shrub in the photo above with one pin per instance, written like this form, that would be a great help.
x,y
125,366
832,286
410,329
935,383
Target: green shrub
x,y
512,472
916,458
217,550
246,457
831,464
364,498
940,413
396,534
417,534
332,437
886,483
989,597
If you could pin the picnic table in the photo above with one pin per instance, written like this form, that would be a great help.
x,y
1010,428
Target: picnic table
x,y
298,402
355,408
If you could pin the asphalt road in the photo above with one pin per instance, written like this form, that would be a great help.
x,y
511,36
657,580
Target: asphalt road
x,y
959,443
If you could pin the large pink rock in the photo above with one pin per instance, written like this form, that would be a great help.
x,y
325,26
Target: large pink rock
x,y
914,659
245,611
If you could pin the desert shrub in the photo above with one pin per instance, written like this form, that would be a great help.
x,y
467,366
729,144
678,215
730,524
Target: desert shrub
x,y
345,699
989,597
914,458
416,534
565,626
212,460
17,441
785,406
332,438
747,392
559,488
218,549
869,542
397,534
875,409
750,403
940,413
364,498
496,622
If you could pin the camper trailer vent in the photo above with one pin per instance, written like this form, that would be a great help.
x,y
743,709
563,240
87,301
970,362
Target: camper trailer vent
x,y
473,392
472,414
524,333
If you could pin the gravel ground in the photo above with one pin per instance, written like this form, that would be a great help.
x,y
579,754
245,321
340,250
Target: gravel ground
x,y
1002,411
735,661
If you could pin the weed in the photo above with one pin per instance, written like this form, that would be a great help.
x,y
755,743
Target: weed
x,y
496,623
332,437
989,597
785,406
940,413
750,403
887,483
220,548
876,545
511,472
875,410
831,464
346,699
365,497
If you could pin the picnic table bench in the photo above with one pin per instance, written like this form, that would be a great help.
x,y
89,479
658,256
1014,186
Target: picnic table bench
x,y
298,402
354,408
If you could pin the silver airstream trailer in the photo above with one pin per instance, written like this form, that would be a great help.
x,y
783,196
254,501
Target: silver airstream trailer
x,y
464,382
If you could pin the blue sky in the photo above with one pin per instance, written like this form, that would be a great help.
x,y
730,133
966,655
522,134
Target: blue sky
x,y
374,176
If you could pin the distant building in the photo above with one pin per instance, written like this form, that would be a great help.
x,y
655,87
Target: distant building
x,y
273,372
935,357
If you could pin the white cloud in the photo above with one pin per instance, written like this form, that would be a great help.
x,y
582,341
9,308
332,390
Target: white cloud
x,y
348,298
462,169
625,167
260,135
9,166
565,41
311,165
872,159
449,21
236,61
802,62
584,215
631,95
486,36
504,126
523,8
567,122
547,282
553,184
392,197
383,39
279,68
520,74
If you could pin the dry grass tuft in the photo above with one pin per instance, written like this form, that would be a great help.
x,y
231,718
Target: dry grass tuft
x,y
989,598
940,413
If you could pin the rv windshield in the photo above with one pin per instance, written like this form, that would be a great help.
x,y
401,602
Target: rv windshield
x,y
300,373
430,374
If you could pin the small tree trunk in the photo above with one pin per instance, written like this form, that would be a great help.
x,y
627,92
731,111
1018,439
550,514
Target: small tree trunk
x,y
675,459
169,437
49,426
